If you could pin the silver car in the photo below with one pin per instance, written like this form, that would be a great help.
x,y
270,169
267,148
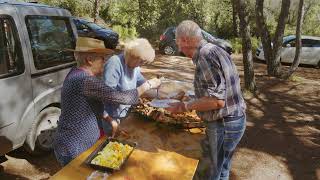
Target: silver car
x,y
33,65
310,52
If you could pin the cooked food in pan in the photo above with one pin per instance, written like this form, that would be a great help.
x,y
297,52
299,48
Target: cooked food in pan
x,y
112,155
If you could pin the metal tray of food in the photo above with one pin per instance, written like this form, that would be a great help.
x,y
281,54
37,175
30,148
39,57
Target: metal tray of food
x,y
187,120
96,152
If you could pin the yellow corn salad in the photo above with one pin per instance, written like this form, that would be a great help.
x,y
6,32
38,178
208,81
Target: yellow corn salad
x,y
113,155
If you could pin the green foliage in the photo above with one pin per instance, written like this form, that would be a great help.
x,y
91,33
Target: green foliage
x,y
218,15
125,32
237,44
255,44
76,7
311,23
149,18
123,16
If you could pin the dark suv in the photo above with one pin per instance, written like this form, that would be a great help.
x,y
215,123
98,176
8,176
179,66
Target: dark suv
x,y
168,44
89,29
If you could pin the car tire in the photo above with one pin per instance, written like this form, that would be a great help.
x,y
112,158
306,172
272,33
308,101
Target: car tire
x,y
169,50
42,132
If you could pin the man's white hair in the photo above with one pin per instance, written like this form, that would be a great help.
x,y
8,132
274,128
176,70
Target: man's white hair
x,y
188,28
139,48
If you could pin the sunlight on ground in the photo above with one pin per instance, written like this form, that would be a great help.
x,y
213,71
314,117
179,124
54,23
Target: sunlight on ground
x,y
248,162
23,168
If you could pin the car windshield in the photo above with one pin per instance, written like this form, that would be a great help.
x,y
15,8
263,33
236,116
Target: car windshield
x,y
288,38
93,25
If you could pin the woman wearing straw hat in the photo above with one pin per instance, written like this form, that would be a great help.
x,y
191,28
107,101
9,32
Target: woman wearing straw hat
x,y
82,98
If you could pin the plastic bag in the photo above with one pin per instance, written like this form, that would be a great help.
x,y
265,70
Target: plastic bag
x,y
97,175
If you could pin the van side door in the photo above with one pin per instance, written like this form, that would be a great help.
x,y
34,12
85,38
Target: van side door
x,y
16,102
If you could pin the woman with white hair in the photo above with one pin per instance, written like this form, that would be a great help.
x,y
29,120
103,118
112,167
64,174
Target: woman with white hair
x,y
122,72
82,98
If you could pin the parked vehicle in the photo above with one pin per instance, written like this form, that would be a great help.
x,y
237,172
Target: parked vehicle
x,y
168,44
33,65
90,29
310,51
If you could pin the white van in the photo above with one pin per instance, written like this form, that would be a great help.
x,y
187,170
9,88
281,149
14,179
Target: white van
x,y
33,66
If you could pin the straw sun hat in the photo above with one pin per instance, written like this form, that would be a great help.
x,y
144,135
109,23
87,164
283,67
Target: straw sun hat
x,y
90,45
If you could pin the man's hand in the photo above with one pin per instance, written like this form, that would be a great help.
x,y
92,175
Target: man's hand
x,y
177,107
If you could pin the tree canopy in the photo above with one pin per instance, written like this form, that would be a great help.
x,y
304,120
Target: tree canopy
x,y
149,18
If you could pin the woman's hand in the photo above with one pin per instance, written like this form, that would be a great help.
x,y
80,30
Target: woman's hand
x,y
149,84
114,124
154,83
115,127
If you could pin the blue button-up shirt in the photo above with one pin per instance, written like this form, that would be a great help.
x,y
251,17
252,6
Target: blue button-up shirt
x,y
119,76
217,76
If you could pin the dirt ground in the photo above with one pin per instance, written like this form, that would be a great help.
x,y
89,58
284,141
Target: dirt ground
x,y
282,139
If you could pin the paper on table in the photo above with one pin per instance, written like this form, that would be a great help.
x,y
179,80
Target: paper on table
x,y
97,175
162,103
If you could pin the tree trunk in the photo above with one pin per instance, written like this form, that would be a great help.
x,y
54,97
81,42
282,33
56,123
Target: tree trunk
x,y
264,33
95,13
272,49
249,78
234,18
296,60
278,38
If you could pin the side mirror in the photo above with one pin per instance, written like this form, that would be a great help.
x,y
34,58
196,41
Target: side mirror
x,y
288,45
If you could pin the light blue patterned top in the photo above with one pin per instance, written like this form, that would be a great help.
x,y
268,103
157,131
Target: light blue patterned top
x,y
119,76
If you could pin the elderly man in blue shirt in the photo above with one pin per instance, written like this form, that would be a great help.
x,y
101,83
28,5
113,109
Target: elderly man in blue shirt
x,y
219,101
122,72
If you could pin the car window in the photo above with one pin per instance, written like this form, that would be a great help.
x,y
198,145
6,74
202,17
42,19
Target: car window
x,y
292,43
286,39
93,25
80,26
50,37
11,61
316,43
307,42
170,32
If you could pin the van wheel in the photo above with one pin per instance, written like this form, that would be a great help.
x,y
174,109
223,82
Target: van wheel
x,y
41,135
